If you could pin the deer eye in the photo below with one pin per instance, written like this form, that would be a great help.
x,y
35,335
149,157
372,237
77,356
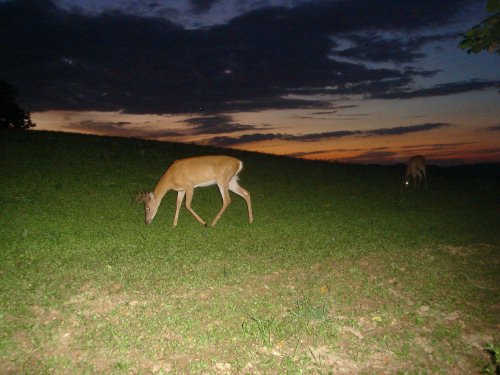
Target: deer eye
x,y
149,208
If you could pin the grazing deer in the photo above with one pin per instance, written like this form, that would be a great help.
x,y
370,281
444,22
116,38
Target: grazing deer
x,y
185,175
416,170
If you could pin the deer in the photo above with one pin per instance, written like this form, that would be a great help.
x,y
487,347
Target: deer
x,y
416,170
184,175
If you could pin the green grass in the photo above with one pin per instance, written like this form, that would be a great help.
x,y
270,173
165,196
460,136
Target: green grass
x,y
340,272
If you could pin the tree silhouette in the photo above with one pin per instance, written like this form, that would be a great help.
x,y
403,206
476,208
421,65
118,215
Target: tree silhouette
x,y
11,115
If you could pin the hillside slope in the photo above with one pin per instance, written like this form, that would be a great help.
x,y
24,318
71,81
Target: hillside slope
x,y
341,270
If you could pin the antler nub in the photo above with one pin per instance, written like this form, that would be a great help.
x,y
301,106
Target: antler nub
x,y
141,196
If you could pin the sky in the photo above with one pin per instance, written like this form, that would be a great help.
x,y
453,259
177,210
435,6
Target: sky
x,y
359,81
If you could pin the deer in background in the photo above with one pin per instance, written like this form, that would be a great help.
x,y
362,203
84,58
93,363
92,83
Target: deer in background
x,y
185,175
416,170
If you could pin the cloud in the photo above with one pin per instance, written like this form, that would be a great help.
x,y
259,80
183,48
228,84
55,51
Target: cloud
x,y
494,128
68,60
438,146
358,79
201,6
207,125
398,130
377,48
321,152
247,138
373,156
314,137
438,153
122,129
309,153
489,151
334,109
460,156
440,90
217,124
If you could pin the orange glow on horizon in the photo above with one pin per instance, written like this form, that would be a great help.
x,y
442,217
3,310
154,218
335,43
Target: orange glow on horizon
x,y
448,145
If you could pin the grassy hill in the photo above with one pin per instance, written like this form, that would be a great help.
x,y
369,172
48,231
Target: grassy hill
x,y
340,272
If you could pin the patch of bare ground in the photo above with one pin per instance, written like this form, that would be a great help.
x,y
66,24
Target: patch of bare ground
x,y
480,250
395,330
60,330
324,359
374,321
113,307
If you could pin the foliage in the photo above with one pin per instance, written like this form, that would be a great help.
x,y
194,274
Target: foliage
x,y
11,115
493,368
486,35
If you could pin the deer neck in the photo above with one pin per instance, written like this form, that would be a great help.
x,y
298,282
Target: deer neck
x,y
161,188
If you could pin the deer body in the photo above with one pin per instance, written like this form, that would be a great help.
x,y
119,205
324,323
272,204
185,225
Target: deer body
x,y
185,175
416,170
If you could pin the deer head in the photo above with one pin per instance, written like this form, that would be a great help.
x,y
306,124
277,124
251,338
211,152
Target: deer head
x,y
406,182
150,205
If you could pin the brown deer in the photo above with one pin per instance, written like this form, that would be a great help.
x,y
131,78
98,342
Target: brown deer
x,y
416,170
185,175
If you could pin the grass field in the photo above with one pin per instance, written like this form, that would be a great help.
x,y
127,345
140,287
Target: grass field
x,y
341,272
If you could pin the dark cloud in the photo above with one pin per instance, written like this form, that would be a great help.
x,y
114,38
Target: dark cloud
x,y
457,157
489,151
327,115
438,146
61,59
353,115
373,156
309,153
314,137
442,154
398,130
320,152
106,127
439,90
493,128
247,138
358,79
217,124
334,109
201,6
376,48
123,129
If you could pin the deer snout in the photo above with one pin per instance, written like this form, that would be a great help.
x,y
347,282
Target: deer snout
x,y
147,221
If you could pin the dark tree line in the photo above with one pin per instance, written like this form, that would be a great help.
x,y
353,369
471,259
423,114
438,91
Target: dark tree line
x,y
11,115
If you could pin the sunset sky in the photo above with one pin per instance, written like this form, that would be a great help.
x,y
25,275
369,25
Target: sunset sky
x,y
363,81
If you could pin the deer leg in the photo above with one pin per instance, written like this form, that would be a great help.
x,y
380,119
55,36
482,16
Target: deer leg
x,y
424,176
226,200
189,198
236,188
421,178
180,198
